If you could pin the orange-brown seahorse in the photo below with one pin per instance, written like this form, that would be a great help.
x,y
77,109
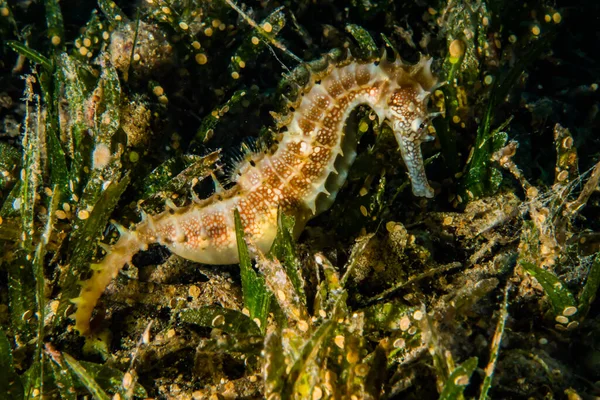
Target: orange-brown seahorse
x,y
301,174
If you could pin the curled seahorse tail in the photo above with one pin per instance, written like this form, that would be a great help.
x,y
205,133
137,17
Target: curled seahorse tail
x,y
117,256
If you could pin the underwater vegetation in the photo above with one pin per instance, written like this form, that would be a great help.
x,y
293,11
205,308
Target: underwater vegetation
x,y
112,111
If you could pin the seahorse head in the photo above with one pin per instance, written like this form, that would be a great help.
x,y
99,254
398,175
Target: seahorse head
x,y
407,112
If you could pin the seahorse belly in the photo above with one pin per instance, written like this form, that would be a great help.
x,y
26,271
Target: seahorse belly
x,y
207,235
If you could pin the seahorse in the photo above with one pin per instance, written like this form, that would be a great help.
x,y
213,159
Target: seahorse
x,y
301,174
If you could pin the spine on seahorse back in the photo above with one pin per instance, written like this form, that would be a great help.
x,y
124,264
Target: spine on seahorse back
x,y
300,175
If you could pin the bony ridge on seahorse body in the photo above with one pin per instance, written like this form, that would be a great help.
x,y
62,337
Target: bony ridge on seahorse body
x,y
301,174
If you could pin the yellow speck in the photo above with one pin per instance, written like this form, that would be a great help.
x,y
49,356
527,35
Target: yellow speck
x,y
242,64
561,319
399,343
27,315
535,30
127,380
55,40
158,91
66,207
163,99
532,192
512,38
255,40
208,32
196,45
4,11
418,315
267,27
201,58
216,23
136,57
485,21
363,191
183,26
404,323
488,79
317,393
339,341
302,326
235,75
54,306
363,126
0,220
352,357
363,210
280,295
568,311
218,320
461,380
166,10
118,17
60,214
83,51
547,18
456,119
105,35
134,156
194,291
456,50
572,325
361,370
556,17
222,27
562,176
87,42
83,214
432,11
389,226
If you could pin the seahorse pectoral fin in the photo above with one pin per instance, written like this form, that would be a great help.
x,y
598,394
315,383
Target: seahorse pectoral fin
x,y
410,148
